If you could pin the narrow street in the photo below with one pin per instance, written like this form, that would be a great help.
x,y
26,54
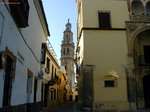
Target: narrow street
x,y
74,107
74,55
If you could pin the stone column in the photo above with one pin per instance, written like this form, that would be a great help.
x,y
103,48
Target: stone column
x,y
87,88
131,89
140,95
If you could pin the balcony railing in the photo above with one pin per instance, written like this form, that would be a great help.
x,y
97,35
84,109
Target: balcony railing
x,y
20,12
142,60
54,81
144,18
51,82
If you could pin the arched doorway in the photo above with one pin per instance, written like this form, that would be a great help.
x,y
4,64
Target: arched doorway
x,y
146,90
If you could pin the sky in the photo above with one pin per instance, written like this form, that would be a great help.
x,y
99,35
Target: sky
x,y
57,13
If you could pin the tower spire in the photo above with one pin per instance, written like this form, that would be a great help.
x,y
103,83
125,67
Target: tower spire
x,y
68,26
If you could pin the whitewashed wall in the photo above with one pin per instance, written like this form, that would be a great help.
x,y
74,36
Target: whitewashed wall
x,y
13,37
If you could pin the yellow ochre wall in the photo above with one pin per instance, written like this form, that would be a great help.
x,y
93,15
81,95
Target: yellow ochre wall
x,y
106,49
118,12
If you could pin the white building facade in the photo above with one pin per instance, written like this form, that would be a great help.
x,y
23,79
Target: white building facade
x,y
23,29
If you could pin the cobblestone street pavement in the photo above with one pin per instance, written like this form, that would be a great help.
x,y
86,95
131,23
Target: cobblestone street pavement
x,y
67,107
75,107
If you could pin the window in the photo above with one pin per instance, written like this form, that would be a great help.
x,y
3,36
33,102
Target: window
x,y
55,74
29,85
20,12
147,54
110,80
67,38
78,49
35,89
8,81
104,20
43,53
10,65
47,65
67,51
66,68
53,93
52,72
64,51
109,83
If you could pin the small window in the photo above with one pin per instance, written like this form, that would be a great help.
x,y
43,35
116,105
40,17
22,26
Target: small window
x,y
35,89
43,53
68,51
109,83
64,51
55,73
66,68
29,82
52,72
67,38
104,20
147,54
47,65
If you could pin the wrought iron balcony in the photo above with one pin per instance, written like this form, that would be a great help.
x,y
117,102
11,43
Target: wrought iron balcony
x,y
142,60
20,12
52,82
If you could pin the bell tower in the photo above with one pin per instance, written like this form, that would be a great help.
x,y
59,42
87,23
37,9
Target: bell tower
x,y
67,53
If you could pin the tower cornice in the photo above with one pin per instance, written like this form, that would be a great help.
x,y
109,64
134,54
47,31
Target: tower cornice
x,y
67,45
